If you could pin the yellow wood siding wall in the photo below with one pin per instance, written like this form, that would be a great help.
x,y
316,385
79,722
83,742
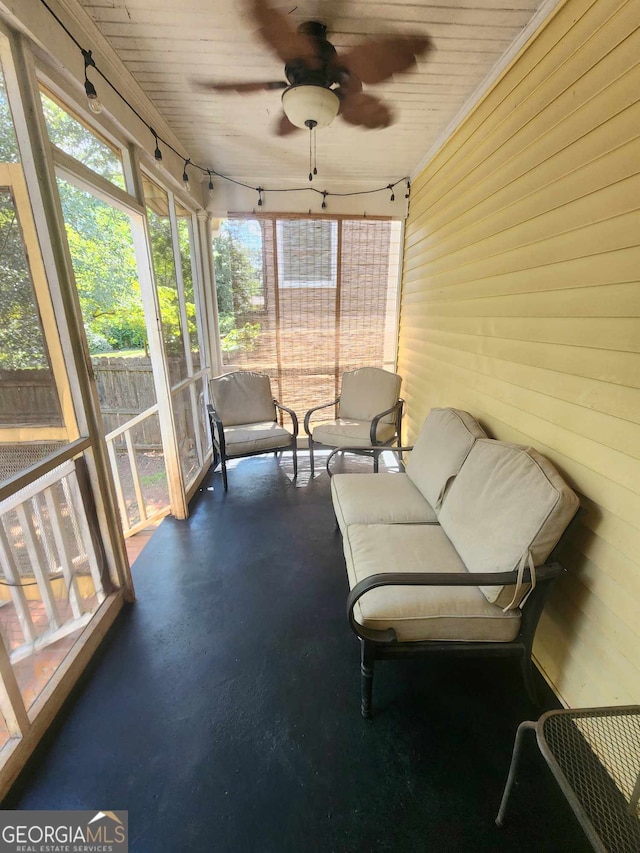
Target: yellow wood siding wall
x,y
521,304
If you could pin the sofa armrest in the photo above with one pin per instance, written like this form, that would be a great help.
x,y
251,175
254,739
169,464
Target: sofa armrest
x,y
544,573
377,447
292,415
307,417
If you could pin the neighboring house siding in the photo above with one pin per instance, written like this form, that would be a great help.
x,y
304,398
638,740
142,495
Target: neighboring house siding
x,y
521,304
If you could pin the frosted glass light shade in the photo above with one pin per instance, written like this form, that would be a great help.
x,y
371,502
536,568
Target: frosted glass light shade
x,y
310,103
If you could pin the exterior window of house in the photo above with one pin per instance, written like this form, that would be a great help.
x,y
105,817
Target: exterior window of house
x,y
307,252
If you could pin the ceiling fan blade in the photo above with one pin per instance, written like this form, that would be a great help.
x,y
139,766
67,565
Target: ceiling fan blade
x,y
278,31
364,110
284,126
376,60
242,87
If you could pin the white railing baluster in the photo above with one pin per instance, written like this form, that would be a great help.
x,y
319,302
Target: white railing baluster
x,y
136,477
66,561
83,524
124,512
41,576
15,588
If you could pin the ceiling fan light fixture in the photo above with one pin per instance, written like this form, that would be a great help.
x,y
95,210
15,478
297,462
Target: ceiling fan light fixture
x,y
310,104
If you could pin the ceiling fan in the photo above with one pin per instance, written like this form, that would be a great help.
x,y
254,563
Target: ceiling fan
x,y
322,83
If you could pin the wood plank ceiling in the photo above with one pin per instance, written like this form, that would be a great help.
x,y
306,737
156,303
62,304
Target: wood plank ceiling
x,y
168,44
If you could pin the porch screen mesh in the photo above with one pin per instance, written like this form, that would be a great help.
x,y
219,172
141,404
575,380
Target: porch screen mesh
x,y
304,300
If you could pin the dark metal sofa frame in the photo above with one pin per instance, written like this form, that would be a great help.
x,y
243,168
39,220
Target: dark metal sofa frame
x,y
397,408
383,644
220,449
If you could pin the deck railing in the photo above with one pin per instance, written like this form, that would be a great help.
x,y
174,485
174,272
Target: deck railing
x,y
52,576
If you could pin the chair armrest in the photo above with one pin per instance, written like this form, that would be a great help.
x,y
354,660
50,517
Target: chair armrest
x,y
307,417
216,424
373,433
544,573
377,447
292,415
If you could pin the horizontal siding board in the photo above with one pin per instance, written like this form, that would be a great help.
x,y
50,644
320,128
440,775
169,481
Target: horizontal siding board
x,y
611,268
541,67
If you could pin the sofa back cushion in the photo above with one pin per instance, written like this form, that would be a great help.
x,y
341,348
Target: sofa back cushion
x,y
507,502
368,391
242,398
444,442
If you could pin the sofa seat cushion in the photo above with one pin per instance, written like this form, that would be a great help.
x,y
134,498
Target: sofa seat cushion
x,y
420,613
252,438
378,499
507,502
443,444
345,432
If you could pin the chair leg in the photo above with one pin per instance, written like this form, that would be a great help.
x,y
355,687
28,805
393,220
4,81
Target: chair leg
x,y
367,663
527,725
295,461
376,461
311,460
224,474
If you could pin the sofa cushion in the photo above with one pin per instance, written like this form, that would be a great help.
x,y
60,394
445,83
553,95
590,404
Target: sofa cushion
x,y
345,433
252,438
420,613
506,502
378,499
242,398
445,439
368,391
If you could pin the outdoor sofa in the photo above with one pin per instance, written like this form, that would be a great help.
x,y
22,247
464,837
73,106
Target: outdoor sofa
x,y
451,556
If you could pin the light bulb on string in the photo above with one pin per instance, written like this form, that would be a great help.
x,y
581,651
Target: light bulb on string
x,y
260,191
211,189
408,192
185,176
393,195
157,153
90,90
324,199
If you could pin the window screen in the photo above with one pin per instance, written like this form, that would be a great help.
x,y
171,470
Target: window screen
x,y
304,300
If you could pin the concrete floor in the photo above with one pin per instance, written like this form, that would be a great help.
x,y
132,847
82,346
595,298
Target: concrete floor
x,y
223,709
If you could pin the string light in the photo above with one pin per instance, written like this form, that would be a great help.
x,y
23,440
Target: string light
x,y
157,153
96,106
185,177
211,192
90,90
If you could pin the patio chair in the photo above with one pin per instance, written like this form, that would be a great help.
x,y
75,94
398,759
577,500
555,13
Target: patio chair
x,y
369,413
243,419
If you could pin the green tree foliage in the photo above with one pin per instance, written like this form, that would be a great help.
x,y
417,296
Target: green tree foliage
x,y
238,282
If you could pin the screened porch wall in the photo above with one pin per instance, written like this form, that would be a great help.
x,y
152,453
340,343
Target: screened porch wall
x,y
325,304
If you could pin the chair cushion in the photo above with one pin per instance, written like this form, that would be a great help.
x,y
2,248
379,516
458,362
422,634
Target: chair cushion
x,y
445,439
420,613
252,438
506,501
242,398
344,433
378,499
367,392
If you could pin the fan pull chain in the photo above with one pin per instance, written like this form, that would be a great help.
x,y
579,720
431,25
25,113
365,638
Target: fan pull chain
x,y
311,124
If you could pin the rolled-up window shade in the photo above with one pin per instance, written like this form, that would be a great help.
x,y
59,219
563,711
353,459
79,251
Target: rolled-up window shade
x,y
303,300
